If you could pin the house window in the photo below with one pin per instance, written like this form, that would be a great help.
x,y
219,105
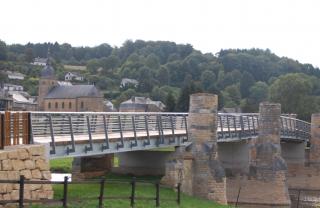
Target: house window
x,y
56,105
49,105
70,105
62,105
82,105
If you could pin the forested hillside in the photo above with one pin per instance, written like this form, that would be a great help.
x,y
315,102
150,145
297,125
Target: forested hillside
x,y
169,72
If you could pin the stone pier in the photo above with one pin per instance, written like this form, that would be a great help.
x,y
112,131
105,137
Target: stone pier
x,y
92,166
265,183
306,175
199,168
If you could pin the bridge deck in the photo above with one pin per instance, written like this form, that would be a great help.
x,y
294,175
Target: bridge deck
x,y
91,133
100,138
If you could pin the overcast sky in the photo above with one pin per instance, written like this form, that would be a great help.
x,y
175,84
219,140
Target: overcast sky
x,y
287,27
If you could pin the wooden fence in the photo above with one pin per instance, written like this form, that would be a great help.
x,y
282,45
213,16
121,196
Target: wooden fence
x,y
101,198
15,128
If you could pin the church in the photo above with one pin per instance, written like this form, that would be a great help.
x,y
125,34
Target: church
x,y
61,96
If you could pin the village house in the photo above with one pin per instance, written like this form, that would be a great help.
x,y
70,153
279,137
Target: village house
x,y
15,75
69,76
141,104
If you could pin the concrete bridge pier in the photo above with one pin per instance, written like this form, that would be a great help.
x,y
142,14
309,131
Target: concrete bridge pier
x,y
265,183
200,170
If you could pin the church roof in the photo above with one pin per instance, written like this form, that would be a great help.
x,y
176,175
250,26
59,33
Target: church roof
x,y
47,71
74,91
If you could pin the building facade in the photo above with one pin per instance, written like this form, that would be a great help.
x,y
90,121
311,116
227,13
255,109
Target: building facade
x,y
59,96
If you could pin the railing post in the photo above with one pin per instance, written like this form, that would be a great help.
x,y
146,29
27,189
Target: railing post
x,y
298,201
147,130
102,182
179,193
30,131
53,144
65,192
157,194
21,191
133,191
238,196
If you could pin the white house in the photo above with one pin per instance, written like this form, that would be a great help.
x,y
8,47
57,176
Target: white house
x,y
126,81
69,76
15,75
12,87
39,61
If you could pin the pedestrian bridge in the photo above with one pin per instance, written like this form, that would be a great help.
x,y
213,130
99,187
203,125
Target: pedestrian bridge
x,y
92,133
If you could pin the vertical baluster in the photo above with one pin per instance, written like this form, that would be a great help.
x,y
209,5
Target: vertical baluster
x,y
90,147
105,128
53,144
221,126
253,126
228,124
172,131
235,125
186,127
249,128
72,137
241,126
146,120
121,133
133,120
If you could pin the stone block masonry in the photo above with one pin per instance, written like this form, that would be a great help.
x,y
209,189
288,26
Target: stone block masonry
x,y
199,169
265,183
29,161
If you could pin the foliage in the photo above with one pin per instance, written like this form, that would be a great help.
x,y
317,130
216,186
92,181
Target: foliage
x,y
294,93
240,77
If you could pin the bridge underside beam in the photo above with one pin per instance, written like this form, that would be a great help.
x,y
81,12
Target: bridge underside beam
x,y
61,151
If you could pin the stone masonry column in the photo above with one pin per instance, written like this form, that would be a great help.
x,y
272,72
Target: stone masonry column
x,y
266,183
209,179
314,157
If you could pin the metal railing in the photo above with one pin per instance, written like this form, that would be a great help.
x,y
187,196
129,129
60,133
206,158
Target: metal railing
x,y
115,127
69,128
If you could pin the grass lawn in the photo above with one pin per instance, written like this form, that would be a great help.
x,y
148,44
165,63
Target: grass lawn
x,y
61,165
78,194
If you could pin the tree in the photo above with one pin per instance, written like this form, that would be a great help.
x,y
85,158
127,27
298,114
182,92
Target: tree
x,y
3,51
293,92
163,75
232,96
145,80
152,61
246,82
29,55
259,92
207,79
184,97
170,102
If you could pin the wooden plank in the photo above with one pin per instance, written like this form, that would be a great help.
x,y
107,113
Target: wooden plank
x,y
7,128
25,128
16,128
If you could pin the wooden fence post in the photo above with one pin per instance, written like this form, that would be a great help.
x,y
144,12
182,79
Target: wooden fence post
x,y
102,182
21,191
65,192
157,194
133,190
179,193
